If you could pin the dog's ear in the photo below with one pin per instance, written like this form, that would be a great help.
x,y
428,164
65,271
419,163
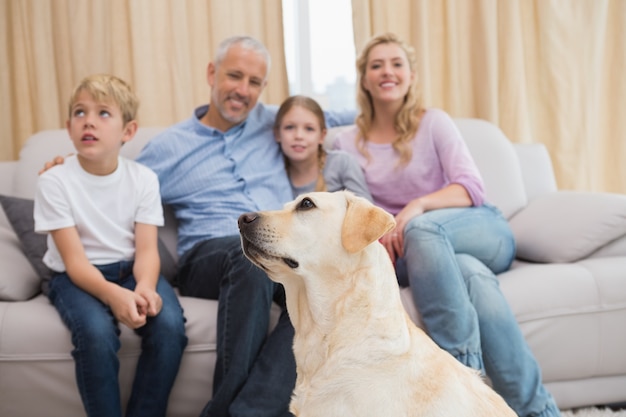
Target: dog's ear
x,y
364,223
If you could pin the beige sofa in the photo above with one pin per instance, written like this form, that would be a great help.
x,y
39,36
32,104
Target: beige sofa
x,y
567,288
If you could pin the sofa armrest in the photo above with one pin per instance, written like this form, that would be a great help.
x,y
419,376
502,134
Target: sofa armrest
x,y
7,170
566,226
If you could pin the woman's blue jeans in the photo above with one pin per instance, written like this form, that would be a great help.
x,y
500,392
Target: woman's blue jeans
x,y
450,260
95,335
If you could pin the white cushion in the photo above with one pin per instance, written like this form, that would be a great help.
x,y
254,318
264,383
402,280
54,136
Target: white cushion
x,y
45,145
498,163
566,226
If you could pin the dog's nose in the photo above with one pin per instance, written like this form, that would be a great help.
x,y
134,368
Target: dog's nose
x,y
247,218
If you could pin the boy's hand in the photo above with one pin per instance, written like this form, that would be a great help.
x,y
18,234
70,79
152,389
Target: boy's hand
x,y
153,299
129,308
58,160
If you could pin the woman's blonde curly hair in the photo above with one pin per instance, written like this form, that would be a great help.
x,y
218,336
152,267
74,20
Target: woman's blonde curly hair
x,y
408,118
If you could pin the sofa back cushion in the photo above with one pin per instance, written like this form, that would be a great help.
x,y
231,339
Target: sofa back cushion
x,y
45,145
498,164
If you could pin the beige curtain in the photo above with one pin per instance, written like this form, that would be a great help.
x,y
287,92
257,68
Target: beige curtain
x,y
162,47
549,71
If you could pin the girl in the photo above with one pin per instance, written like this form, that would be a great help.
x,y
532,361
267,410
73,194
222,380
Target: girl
x,y
300,129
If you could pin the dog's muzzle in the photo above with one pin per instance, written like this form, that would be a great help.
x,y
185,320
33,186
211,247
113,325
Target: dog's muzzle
x,y
255,244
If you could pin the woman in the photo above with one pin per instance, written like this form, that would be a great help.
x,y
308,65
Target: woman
x,y
449,243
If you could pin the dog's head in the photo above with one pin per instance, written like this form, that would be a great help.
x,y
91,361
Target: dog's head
x,y
317,233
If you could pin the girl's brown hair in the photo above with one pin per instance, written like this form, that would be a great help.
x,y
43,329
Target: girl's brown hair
x,y
311,105
408,118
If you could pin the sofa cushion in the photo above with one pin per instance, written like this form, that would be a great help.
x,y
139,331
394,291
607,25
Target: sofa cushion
x,y
37,150
569,314
567,226
18,280
35,359
43,146
19,211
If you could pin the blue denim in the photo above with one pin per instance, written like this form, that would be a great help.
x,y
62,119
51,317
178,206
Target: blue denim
x,y
95,335
450,260
255,371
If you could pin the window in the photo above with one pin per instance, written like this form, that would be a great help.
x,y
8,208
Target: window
x,y
319,48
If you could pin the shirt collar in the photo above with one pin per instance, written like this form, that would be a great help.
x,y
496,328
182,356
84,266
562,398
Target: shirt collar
x,y
202,110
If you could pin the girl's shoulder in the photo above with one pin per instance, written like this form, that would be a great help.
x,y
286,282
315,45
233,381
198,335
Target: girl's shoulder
x,y
338,159
338,155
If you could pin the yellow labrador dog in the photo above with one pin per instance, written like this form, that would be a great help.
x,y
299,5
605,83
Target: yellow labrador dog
x,y
357,351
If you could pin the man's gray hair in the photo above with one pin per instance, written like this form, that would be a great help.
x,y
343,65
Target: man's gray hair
x,y
247,42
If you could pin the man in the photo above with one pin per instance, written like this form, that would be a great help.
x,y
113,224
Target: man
x,y
220,163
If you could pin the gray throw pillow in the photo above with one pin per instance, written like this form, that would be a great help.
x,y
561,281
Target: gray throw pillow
x,y
19,211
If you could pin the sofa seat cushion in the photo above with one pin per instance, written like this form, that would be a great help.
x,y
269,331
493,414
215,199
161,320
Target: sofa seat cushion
x,y
33,330
576,304
33,337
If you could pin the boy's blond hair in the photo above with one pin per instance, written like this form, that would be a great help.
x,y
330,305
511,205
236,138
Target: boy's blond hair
x,y
108,88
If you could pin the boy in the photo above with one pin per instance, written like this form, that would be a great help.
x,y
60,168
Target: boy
x,y
101,212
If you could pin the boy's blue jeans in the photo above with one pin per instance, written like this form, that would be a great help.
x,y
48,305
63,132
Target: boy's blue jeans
x,y
450,260
95,335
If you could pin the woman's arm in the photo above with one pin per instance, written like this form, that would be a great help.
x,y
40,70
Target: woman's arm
x,y
453,195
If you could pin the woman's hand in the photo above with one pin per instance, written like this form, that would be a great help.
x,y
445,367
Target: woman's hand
x,y
393,240
413,209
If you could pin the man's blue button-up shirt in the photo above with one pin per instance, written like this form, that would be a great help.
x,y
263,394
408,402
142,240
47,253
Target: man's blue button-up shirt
x,y
210,177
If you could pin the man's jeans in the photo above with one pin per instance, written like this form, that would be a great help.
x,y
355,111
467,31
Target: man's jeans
x,y
255,372
95,335
450,260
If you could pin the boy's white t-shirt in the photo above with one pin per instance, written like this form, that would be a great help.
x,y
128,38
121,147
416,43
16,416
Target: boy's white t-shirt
x,y
104,209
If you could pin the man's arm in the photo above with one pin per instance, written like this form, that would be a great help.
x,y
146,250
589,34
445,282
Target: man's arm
x,y
147,266
58,160
339,118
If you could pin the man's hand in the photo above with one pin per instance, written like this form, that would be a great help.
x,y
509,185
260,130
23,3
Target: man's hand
x,y
58,160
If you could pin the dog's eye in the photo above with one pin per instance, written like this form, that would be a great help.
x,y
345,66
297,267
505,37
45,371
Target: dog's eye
x,y
306,204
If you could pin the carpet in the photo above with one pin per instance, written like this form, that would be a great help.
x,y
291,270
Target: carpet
x,y
593,412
